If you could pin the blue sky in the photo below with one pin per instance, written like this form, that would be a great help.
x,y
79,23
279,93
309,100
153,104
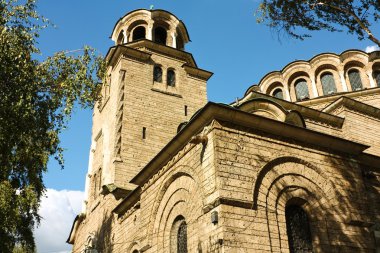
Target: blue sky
x,y
225,40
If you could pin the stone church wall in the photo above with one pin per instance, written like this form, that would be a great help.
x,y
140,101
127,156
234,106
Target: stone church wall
x,y
264,174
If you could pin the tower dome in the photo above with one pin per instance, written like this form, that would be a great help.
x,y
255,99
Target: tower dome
x,y
158,26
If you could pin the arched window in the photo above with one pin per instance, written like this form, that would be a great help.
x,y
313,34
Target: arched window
x,y
328,84
278,93
302,91
157,74
120,39
171,78
160,35
182,238
298,229
376,76
135,251
180,43
355,80
138,33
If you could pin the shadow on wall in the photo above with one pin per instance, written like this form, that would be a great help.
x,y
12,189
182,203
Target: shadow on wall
x,y
342,204
104,234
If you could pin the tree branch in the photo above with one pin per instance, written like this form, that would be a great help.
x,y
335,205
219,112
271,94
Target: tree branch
x,y
356,18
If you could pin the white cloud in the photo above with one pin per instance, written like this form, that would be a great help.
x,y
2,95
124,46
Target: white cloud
x,y
58,210
370,49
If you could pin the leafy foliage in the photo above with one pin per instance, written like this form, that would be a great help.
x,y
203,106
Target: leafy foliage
x,y
332,15
37,99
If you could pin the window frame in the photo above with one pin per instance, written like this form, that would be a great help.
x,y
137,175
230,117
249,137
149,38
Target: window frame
x,y
295,83
355,69
305,231
325,73
154,73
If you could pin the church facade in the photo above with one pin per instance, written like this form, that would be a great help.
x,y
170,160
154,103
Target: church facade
x,y
292,166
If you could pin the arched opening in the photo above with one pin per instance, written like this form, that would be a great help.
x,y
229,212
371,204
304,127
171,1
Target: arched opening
x,y
160,35
135,251
178,235
180,43
138,33
278,93
298,230
120,39
157,74
302,90
376,77
171,78
182,238
355,79
328,83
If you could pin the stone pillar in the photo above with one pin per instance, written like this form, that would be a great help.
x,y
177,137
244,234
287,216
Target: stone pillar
x,y
287,93
370,77
174,39
125,36
149,34
314,88
343,81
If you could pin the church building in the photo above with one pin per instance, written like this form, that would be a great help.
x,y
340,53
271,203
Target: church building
x,y
293,166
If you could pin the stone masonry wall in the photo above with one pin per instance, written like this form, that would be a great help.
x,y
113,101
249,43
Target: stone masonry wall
x,y
182,188
157,108
263,173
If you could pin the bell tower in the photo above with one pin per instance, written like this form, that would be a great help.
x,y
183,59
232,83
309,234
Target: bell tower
x,y
152,86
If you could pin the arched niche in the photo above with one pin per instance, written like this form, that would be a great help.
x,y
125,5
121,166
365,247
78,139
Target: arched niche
x,y
354,73
138,33
276,89
264,108
130,30
179,194
294,79
321,72
288,181
272,110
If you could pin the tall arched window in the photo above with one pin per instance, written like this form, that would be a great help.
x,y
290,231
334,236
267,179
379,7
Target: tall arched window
x,y
355,80
302,91
298,230
328,84
171,78
182,238
278,93
160,35
376,76
157,74
138,33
